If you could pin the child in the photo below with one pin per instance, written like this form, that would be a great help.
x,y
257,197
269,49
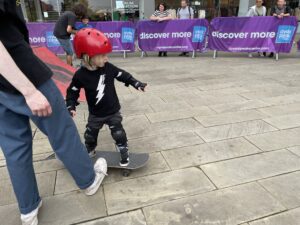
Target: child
x,y
84,23
97,77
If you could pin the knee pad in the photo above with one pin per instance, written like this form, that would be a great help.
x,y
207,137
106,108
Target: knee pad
x,y
91,136
119,134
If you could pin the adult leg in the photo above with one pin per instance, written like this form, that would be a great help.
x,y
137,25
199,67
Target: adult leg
x,y
16,143
70,60
67,46
64,138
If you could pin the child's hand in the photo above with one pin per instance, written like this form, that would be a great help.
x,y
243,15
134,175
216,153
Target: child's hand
x,y
72,113
140,86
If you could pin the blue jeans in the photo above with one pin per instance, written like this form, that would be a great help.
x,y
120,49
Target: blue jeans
x,y
16,143
67,45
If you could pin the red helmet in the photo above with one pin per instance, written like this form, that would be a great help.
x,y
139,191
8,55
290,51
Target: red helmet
x,y
91,42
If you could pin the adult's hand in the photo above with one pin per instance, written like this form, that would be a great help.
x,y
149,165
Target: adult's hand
x,y
38,104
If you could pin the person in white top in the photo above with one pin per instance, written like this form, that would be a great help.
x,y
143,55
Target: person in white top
x,y
257,10
183,13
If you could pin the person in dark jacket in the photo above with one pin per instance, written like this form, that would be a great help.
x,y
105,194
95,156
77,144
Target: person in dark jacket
x,y
27,92
280,10
65,26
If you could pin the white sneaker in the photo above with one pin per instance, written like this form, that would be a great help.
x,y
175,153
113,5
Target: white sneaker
x,y
32,217
100,168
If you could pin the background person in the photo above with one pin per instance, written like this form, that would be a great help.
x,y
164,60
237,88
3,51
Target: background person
x,y
65,26
161,14
183,13
257,10
280,10
84,23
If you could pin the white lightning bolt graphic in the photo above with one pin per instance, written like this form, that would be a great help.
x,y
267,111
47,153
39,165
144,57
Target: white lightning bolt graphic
x,y
100,88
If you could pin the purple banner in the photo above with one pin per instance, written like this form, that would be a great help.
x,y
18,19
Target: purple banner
x,y
172,36
41,34
252,34
121,35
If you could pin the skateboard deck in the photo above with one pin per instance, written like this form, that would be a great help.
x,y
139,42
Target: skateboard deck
x,y
136,160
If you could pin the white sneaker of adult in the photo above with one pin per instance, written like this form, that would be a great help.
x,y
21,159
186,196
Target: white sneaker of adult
x,y
100,168
32,217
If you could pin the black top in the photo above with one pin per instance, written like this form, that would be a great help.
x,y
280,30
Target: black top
x,y
285,10
99,89
68,18
14,36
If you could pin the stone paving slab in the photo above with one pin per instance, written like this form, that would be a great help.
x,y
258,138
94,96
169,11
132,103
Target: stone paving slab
x,y
217,86
140,192
291,217
72,208
234,130
175,126
285,122
36,157
239,106
295,150
281,100
285,189
251,168
272,92
131,218
41,146
179,114
136,110
39,167
212,100
225,91
164,91
228,118
281,110
230,206
45,181
142,99
170,107
166,141
276,140
208,153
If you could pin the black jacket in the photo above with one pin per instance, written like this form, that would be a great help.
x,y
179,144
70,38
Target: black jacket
x,y
99,89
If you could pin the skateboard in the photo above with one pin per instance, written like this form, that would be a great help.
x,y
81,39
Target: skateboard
x,y
136,160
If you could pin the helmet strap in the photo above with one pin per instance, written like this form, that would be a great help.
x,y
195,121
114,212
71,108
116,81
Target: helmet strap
x,y
87,62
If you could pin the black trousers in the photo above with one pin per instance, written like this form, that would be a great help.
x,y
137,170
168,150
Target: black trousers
x,y
95,124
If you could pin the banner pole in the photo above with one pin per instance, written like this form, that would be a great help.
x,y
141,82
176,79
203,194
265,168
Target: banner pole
x,y
215,54
277,56
194,54
124,54
112,10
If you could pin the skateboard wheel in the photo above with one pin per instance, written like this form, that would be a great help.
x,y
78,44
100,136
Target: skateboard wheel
x,y
125,173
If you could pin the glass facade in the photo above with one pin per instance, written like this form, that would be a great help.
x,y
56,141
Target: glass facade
x,y
98,10
133,10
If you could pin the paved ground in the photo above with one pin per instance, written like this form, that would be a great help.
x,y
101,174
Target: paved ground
x,y
224,141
